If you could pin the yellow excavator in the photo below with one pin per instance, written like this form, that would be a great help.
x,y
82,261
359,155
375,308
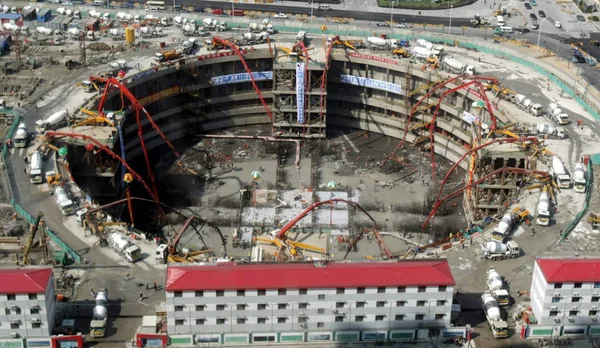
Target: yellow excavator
x,y
594,220
401,52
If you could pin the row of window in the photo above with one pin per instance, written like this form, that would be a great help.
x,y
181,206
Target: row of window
x,y
303,320
304,305
556,299
283,292
574,312
16,326
13,297
578,285
17,310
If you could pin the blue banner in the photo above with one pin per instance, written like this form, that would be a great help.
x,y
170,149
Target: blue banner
x,y
227,79
300,91
366,82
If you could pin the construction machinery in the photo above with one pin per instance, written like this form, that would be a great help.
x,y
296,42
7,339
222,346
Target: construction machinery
x,y
495,285
336,42
579,178
500,251
401,52
168,252
493,315
100,315
479,21
31,238
543,208
594,220
94,121
167,56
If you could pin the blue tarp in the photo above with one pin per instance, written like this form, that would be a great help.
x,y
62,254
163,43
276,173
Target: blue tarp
x,y
10,16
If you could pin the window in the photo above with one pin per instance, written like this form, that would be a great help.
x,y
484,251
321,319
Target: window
x,y
441,303
596,285
261,320
419,316
422,289
339,305
178,308
320,324
34,310
303,291
18,310
402,289
555,299
380,303
7,311
575,299
241,320
321,297
200,308
558,285
262,306
199,293
439,317
302,305
381,290
36,325
241,307
400,303
302,319
360,290
177,322
321,311
281,305
281,292
553,313
573,313
33,296
11,297
360,304
379,318
339,291
420,303
339,318
359,318
175,294
577,285
595,298
220,307
262,292
593,313
241,292
399,317
442,288
220,293
200,321
220,321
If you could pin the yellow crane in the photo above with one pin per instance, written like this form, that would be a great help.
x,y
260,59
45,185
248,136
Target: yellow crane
x,y
94,120
31,238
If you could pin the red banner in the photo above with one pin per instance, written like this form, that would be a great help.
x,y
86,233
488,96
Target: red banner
x,y
377,58
217,55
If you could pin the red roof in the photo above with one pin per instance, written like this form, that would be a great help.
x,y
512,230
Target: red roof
x,y
24,280
570,270
229,276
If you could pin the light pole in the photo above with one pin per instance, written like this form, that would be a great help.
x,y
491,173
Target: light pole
x,y
540,32
232,8
450,25
392,13
311,10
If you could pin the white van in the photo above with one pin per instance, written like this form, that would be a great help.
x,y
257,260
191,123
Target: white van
x,y
99,3
507,30
499,19
323,8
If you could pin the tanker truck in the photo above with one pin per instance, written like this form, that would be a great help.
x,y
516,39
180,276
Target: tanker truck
x,y
457,67
493,315
21,136
542,217
579,178
556,113
100,315
495,251
504,227
52,122
124,247
495,285
66,205
562,178
377,43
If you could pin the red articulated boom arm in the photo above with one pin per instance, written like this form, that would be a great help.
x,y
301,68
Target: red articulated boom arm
x,y
49,134
324,77
173,245
235,49
283,232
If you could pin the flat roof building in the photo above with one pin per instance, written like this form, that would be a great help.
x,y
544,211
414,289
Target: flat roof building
x,y
297,302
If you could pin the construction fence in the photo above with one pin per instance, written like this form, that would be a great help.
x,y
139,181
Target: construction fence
x,y
20,210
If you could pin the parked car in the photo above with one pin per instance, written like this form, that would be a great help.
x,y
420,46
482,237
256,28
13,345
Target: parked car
x,y
557,24
533,3
527,6
281,15
542,14
67,3
580,18
577,59
404,26
533,16
383,24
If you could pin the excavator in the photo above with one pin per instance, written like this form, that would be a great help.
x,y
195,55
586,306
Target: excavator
x,y
32,238
594,220
401,52
339,43
501,92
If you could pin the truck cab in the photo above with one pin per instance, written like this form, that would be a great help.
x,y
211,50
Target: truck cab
x,y
301,37
21,136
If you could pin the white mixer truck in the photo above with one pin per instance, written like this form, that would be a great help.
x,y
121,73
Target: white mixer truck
x,y
100,315
124,247
21,136
52,122
66,205
542,216
35,173
528,105
377,43
495,285
562,178
422,52
549,131
436,50
457,67
504,227
493,315
556,113
499,251
579,178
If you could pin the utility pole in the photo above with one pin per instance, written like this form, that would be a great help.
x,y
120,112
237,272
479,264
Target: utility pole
x,y
82,55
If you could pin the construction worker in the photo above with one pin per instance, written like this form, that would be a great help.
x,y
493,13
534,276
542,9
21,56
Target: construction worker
x,y
155,287
141,296
93,293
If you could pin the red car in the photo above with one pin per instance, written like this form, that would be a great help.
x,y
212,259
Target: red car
x,y
217,11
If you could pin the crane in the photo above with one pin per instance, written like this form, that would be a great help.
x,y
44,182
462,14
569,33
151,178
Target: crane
x,y
31,238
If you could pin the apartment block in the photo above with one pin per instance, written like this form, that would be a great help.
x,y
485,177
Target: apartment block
x,y
27,302
287,302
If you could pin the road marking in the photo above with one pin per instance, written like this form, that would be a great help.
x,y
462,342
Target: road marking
x,y
21,151
356,150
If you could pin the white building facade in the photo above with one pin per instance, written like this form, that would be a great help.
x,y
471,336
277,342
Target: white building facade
x,y
259,303
27,302
565,295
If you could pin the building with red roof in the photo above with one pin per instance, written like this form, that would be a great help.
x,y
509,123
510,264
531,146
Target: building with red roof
x,y
565,292
28,298
228,302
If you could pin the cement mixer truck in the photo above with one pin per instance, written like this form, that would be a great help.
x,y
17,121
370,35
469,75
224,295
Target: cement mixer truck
x,y
457,67
124,247
495,251
100,315
562,178
493,315
52,122
377,43
504,227
35,173
436,50
253,38
66,205
542,217
579,179
528,105
556,113
495,285
422,52
21,136
116,33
